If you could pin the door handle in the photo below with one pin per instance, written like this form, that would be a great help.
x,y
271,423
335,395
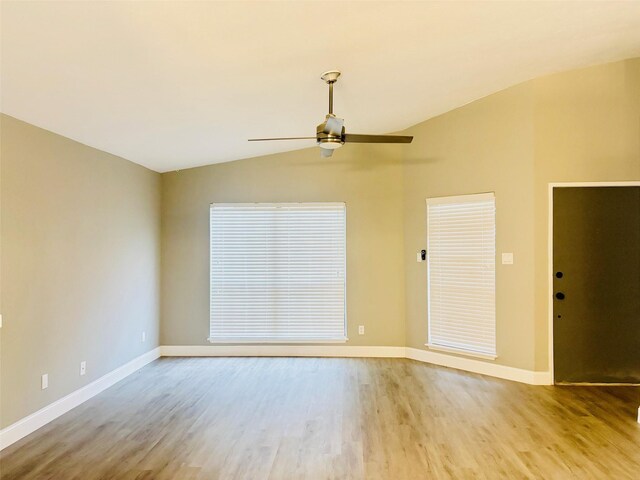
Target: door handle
x,y
560,296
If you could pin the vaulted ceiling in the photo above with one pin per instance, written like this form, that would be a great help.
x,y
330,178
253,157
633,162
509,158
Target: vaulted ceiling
x,y
173,85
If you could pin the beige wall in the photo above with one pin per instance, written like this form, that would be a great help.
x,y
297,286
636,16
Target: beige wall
x,y
582,125
80,265
368,179
486,146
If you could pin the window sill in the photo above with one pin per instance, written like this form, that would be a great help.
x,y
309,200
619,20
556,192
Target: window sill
x,y
459,351
282,341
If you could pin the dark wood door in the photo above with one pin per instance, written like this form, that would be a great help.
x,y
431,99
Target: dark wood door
x,y
596,258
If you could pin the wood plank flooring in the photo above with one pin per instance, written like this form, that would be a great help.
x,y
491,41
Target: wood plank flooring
x,y
330,418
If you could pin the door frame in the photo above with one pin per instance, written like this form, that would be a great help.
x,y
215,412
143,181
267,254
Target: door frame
x,y
553,185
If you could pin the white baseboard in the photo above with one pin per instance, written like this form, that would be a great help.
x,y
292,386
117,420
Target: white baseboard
x,y
478,366
436,358
31,423
281,351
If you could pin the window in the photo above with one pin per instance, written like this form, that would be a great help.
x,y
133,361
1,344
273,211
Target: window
x,y
277,272
461,236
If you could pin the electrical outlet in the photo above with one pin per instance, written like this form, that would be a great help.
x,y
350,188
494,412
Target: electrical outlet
x,y
144,337
361,330
45,381
83,367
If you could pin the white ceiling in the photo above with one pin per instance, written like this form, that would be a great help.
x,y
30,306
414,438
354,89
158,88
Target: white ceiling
x,y
172,85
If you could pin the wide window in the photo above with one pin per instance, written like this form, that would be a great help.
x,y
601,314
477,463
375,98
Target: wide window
x,y
461,252
277,272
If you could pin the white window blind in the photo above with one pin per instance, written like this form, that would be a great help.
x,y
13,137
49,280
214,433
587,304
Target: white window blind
x,y
278,272
461,235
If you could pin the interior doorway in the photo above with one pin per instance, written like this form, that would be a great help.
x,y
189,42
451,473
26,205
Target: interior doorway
x,y
596,283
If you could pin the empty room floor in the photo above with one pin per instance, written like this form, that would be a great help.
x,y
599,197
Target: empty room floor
x,y
321,418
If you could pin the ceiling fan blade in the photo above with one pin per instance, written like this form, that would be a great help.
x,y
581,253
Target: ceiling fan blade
x,y
357,138
326,152
283,138
333,125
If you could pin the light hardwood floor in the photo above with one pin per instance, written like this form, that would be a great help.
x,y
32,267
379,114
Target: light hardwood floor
x,y
321,418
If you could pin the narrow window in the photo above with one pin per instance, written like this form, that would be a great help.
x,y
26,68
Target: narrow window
x,y
278,272
461,236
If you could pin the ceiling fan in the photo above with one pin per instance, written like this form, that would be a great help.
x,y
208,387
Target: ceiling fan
x,y
331,134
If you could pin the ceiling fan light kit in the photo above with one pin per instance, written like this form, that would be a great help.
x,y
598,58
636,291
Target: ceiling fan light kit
x,y
331,134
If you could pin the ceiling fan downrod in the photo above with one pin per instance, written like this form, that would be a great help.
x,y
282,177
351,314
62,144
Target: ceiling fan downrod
x,y
331,98
330,77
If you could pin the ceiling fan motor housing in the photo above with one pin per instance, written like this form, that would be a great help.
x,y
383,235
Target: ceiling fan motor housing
x,y
329,140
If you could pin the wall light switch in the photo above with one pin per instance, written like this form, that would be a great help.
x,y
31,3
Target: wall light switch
x,y
144,336
360,329
0,321
507,258
83,367
45,381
